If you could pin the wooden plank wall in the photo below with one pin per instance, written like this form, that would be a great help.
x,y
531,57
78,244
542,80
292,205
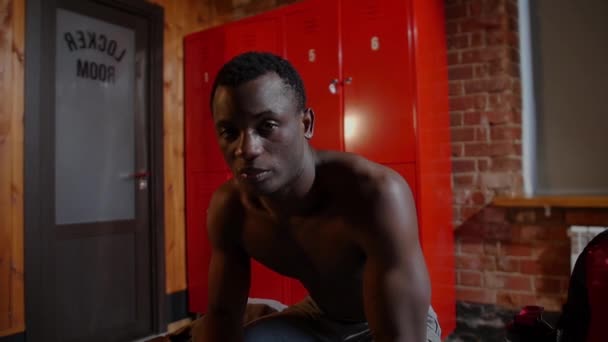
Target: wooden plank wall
x,y
12,27
183,17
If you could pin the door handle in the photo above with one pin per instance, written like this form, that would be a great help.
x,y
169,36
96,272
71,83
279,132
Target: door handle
x,y
135,175
333,86
139,175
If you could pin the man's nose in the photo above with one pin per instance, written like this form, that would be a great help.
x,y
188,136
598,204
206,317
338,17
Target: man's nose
x,y
249,146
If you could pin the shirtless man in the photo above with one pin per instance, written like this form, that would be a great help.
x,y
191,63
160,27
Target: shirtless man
x,y
345,227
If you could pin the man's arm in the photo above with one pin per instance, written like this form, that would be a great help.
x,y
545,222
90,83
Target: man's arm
x,y
229,271
396,281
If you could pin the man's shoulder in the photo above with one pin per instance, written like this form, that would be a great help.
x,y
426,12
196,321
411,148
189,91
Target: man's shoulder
x,y
225,207
226,194
373,197
360,177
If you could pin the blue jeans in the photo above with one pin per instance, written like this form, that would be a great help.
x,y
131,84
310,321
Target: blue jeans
x,y
305,322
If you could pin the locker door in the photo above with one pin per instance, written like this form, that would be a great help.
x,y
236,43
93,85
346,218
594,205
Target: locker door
x,y
378,75
434,165
266,283
253,34
212,51
193,108
193,114
203,53
203,186
312,46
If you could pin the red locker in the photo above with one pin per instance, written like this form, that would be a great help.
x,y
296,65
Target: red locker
x,y
210,150
378,80
194,161
434,150
202,62
266,283
203,56
193,108
254,34
311,45
201,188
212,53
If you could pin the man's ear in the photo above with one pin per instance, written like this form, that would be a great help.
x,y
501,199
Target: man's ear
x,y
308,121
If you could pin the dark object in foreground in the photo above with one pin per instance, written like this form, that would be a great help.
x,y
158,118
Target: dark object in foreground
x,y
529,326
585,315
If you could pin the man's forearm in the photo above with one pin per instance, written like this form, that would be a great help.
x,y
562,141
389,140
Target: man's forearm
x,y
396,312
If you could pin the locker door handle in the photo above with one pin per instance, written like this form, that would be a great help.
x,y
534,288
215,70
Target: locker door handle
x,y
333,86
138,175
135,175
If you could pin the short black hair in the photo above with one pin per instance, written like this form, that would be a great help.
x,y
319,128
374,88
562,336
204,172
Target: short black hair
x,y
251,65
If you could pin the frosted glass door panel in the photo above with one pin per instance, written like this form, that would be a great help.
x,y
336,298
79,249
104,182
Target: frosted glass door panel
x,y
94,120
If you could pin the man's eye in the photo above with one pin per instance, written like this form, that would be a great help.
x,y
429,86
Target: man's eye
x,y
268,126
228,133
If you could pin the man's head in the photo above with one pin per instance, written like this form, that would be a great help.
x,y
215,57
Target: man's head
x,y
258,104
251,65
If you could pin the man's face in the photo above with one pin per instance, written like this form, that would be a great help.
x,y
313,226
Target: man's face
x,y
261,133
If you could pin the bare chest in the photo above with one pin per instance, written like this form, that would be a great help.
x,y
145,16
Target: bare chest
x,y
316,249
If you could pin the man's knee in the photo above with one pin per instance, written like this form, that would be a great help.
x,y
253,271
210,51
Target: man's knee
x,y
278,329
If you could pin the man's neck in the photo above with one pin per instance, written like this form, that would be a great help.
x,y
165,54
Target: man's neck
x,y
299,195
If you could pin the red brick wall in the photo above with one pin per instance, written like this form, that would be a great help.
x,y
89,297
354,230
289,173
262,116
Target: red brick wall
x,y
485,106
505,256
518,256
513,257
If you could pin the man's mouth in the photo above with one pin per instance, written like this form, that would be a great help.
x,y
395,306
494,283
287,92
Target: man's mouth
x,y
253,174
